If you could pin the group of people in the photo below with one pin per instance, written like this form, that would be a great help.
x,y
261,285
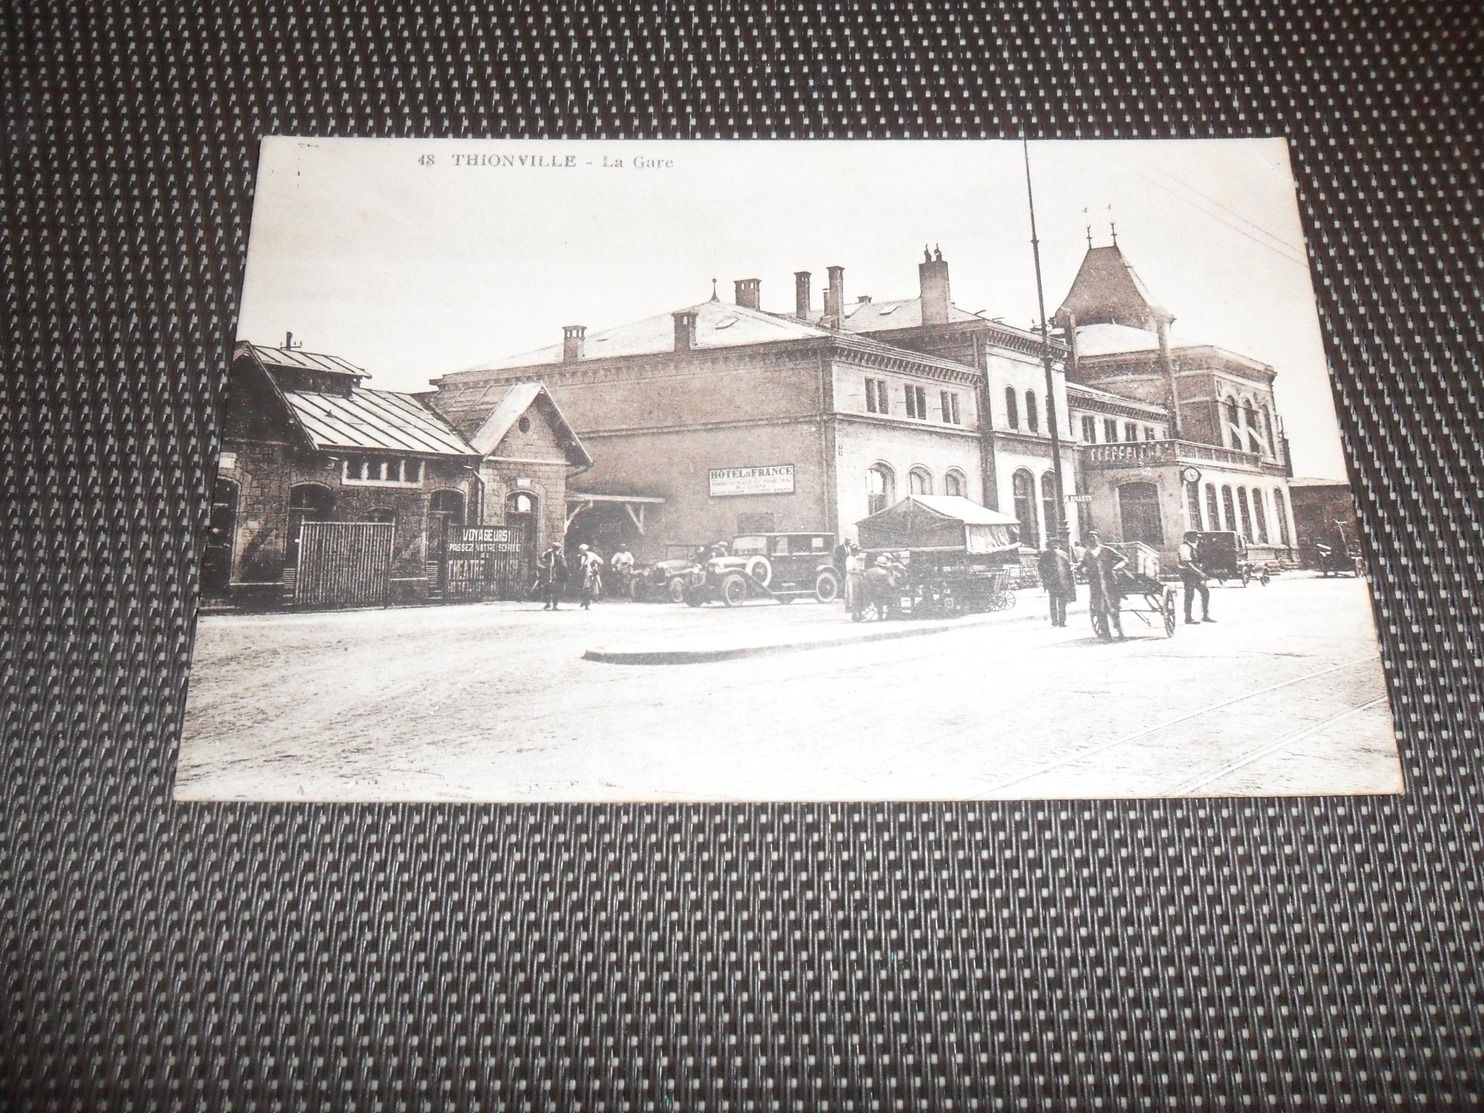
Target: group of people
x,y
553,573
1103,570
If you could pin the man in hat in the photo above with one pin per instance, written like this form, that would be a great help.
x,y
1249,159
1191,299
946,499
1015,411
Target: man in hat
x,y
1102,568
1055,567
553,567
1194,579
589,570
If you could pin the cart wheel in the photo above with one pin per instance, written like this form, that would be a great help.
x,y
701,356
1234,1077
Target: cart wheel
x,y
1167,608
826,586
1009,599
1266,577
733,589
677,590
1246,576
1100,624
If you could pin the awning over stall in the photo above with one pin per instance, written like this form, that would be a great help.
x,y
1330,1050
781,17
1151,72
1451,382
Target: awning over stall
x,y
939,523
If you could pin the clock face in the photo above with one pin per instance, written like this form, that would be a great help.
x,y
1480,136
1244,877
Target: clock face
x,y
1191,474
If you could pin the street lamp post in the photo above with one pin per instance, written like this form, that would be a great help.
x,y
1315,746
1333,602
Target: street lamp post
x,y
1062,532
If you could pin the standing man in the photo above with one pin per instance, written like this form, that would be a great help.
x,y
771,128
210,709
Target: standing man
x,y
553,567
1194,579
1102,568
855,570
1055,568
622,565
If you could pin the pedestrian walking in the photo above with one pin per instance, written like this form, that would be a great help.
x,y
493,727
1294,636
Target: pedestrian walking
x,y
589,570
1055,567
1194,579
553,567
1102,568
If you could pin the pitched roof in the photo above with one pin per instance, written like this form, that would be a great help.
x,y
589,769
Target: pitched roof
x,y
718,325
1107,289
299,359
1075,388
518,399
370,420
898,314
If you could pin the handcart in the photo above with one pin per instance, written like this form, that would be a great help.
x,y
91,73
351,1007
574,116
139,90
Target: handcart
x,y
1143,594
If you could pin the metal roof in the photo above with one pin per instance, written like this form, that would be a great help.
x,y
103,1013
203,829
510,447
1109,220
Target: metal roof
x,y
299,359
517,400
897,314
372,420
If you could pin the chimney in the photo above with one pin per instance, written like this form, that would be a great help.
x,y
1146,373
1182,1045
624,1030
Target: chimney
x,y
748,293
685,330
802,301
834,296
932,279
572,343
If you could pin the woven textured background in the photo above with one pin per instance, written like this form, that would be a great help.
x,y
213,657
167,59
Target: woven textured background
x,y
1203,954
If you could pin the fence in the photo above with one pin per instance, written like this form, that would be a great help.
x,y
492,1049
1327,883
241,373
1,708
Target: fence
x,y
343,564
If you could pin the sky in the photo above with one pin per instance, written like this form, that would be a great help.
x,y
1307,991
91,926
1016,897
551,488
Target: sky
x,y
416,258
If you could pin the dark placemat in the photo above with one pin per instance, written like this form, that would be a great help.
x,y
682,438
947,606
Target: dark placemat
x,y
1201,954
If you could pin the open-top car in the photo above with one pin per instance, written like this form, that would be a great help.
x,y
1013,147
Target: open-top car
x,y
783,566
666,579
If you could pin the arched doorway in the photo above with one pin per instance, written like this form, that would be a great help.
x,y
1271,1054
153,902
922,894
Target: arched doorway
x,y
1138,508
306,503
521,511
221,533
1023,487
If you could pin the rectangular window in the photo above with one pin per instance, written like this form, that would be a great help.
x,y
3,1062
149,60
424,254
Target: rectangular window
x,y
1148,434
950,409
916,402
362,469
876,396
1131,432
1110,430
1089,429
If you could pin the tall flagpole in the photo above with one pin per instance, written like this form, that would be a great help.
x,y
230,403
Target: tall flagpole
x,y
1061,531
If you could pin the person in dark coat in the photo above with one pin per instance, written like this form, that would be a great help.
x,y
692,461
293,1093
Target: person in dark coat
x,y
1055,567
1102,568
1193,577
553,567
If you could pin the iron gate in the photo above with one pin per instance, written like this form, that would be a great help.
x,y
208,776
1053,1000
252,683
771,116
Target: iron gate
x,y
485,561
344,564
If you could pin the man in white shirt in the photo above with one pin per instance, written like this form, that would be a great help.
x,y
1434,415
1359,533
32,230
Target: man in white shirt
x,y
1194,579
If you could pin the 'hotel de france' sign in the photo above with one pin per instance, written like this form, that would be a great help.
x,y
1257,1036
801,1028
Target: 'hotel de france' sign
x,y
752,480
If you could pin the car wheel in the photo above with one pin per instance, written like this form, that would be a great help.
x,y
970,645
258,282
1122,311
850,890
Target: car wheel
x,y
826,586
759,569
733,589
677,590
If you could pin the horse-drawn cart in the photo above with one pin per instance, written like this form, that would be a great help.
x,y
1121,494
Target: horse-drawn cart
x,y
937,556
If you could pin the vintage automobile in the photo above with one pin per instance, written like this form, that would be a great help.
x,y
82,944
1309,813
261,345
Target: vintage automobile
x,y
666,579
1339,555
783,566
1223,556
947,555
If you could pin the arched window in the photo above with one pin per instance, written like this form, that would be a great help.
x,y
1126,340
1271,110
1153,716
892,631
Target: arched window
x,y
1260,514
920,482
1012,410
1032,415
1246,509
1249,413
1193,506
1023,485
1234,423
1138,508
1267,429
522,504
1213,509
307,503
1281,510
881,486
1050,512
955,483
1229,507
445,510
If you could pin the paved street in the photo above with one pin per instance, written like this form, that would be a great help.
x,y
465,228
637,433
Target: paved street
x,y
494,702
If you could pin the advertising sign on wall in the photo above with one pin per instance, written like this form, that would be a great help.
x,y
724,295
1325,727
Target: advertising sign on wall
x,y
752,480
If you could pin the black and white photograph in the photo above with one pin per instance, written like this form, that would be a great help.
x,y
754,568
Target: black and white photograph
x,y
704,471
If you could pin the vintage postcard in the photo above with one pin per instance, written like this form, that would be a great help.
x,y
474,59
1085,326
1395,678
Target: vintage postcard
x,y
707,471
